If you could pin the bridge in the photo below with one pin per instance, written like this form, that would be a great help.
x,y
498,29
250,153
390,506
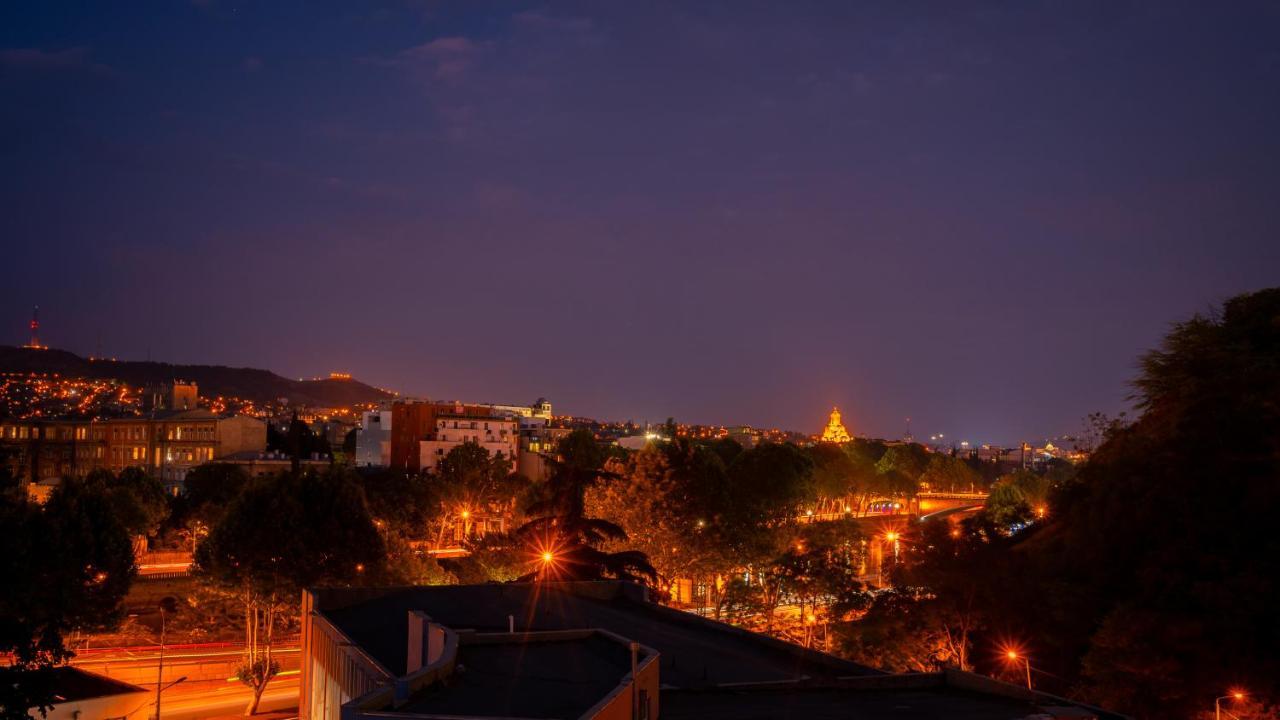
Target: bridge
x,y
931,503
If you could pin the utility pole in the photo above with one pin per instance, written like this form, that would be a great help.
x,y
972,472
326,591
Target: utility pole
x,y
160,667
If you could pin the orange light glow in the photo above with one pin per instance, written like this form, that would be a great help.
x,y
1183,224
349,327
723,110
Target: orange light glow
x,y
548,557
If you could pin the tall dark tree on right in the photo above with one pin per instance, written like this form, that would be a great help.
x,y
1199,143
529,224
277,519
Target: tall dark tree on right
x,y
1171,525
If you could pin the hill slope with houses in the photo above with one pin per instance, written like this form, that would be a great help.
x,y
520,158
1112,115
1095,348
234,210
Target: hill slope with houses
x,y
254,384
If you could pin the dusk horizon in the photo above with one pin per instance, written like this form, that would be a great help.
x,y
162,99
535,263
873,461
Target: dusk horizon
x,y
977,217
731,359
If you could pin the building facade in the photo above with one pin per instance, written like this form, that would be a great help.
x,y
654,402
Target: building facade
x,y
37,451
494,434
169,443
373,439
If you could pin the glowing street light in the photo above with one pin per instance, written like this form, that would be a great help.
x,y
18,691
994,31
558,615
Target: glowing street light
x,y
1217,703
548,556
1014,657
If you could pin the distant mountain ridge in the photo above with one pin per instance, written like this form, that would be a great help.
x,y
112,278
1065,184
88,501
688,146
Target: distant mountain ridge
x,y
260,386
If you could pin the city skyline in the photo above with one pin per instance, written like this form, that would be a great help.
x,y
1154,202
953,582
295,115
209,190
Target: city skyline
x,y
975,217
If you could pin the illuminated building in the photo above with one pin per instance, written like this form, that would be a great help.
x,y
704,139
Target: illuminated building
x,y
494,434
42,452
176,395
835,432
413,421
373,439
747,437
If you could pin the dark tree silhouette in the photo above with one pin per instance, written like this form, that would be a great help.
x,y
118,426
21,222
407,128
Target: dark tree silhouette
x,y
66,566
562,542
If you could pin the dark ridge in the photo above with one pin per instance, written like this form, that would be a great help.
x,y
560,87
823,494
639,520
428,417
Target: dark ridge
x,y
260,386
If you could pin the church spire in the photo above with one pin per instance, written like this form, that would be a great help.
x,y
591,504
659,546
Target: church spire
x,y
835,431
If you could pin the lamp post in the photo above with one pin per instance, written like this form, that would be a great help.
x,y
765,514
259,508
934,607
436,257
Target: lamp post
x,y
1217,703
1015,656
166,605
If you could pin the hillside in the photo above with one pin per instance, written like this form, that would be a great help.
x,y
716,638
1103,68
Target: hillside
x,y
260,386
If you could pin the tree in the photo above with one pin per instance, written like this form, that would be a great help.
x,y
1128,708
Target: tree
x,y
212,486
1148,586
948,474
579,449
654,496
834,475
66,566
1006,506
822,578
562,542
469,481
406,504
280,535
941,590
910,460
139,499
771,481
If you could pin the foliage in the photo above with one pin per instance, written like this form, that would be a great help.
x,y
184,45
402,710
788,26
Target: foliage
x,y
938,602
560,541
579,449
1149,587
407,504
139,499
280,535
209,488
66,566
910,460
949,474
660,496
468,478
834,472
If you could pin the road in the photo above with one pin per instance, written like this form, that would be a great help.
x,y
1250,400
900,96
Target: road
x,y
215,698
208,687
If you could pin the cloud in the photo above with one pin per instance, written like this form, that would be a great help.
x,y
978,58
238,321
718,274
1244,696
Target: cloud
x,y
37,60
445,57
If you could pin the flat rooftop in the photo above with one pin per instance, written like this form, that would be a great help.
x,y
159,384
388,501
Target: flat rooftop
x,y
541,679
695,652
71,683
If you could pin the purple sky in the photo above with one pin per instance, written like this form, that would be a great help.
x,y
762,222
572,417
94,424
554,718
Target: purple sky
x,y
973,214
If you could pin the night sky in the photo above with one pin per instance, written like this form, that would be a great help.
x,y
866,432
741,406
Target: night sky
x,y
975,215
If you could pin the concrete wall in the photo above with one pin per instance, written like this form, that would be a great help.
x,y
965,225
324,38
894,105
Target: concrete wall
x,y
334,670
373,439
241,433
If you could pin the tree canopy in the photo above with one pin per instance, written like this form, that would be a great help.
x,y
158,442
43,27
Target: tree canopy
x,y
66,566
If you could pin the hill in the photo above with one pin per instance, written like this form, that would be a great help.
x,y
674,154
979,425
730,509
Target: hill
x,y
260,386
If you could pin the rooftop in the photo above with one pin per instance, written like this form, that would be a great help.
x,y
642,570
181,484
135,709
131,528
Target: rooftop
x,y
558,678
71,683
694,652
705,669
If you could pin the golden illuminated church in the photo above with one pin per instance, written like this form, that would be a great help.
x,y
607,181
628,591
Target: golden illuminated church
x,y
835,431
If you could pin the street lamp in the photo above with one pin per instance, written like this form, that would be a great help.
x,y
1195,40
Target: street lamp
x,y
167,605
1014,656
1217,703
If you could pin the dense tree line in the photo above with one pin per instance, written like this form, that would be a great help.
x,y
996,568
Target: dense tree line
x,y
1149,587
